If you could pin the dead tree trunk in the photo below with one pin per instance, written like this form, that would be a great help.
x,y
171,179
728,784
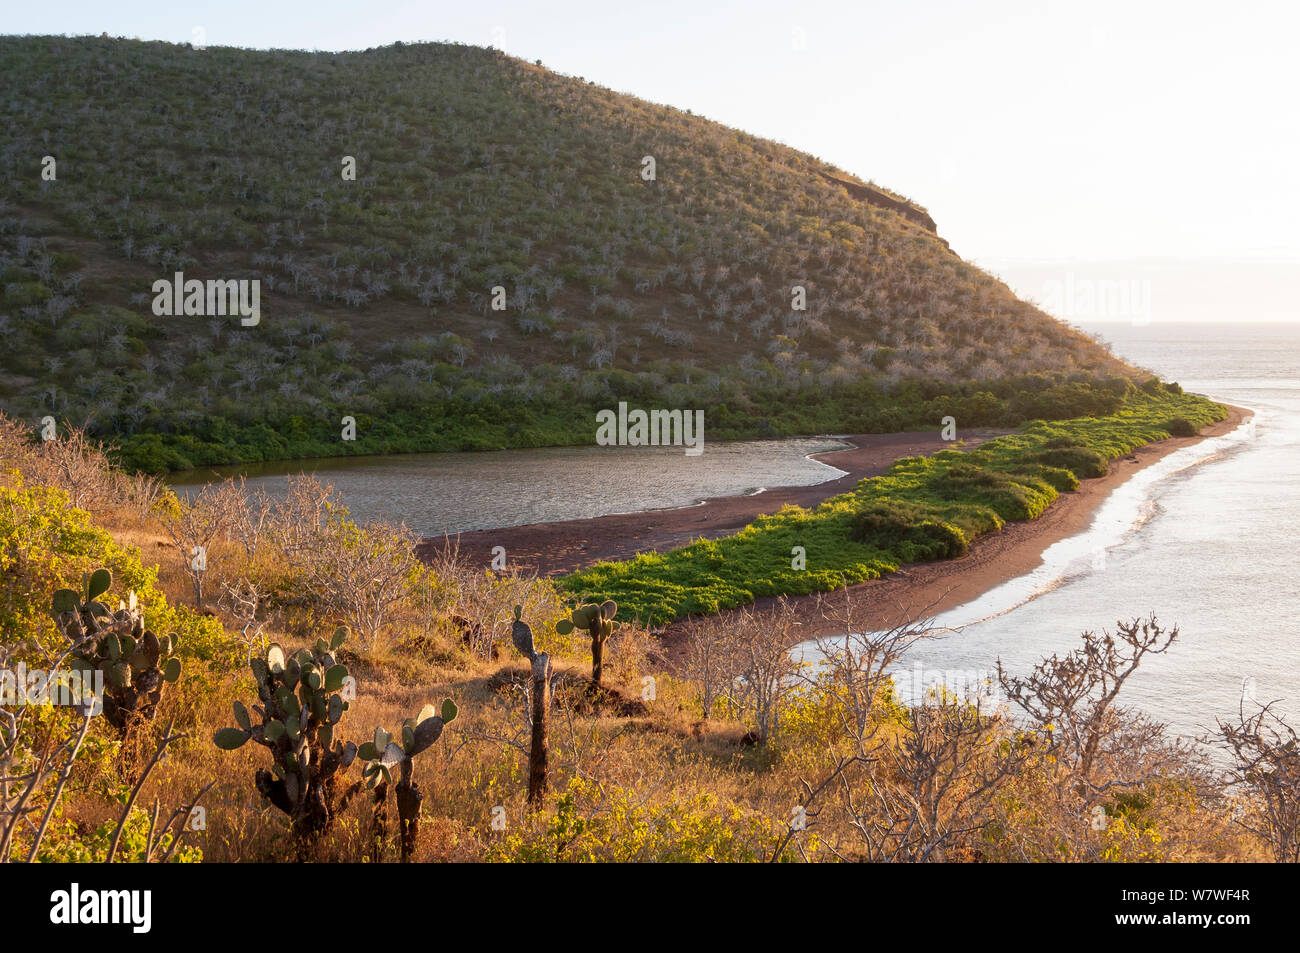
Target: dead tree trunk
x,y
541,693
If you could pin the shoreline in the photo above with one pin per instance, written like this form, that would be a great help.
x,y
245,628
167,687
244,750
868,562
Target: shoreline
x,y
915,589
923,590
563,546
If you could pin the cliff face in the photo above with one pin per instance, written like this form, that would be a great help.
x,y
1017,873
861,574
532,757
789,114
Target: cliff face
x,y
875,197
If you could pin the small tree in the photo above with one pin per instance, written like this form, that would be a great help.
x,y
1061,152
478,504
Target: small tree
x,y
766,671
244,600
194,525
363,574
708,662
1072,698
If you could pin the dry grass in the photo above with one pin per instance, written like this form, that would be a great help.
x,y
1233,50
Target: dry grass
x,y
644,764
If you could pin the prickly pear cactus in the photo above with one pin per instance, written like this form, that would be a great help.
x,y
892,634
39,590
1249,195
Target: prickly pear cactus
x,y
136,664
300,703
598,622
383,754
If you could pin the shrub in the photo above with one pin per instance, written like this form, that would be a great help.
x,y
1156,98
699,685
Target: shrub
x,y
916,540
607,823
1181,427
1061,443
46,544
1011,496
1059,478
1081,461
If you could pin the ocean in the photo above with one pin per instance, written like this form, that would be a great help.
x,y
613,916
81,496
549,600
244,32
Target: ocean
x,y
1205,539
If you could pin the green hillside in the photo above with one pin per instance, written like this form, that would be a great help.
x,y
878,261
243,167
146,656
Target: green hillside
x,y
473,171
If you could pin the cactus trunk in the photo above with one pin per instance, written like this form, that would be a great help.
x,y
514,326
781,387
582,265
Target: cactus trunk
x,y
379,823
597,658
541,706
408,811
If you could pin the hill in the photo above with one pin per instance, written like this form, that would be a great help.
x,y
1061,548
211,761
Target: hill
x,y
473,172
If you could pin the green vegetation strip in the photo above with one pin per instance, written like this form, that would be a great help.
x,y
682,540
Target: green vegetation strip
x,y
923,508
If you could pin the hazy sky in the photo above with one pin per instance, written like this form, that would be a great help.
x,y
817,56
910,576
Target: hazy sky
x,y
1048,141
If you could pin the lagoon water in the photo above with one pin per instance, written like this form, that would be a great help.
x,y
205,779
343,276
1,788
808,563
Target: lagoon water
x,y
1206,539
437,493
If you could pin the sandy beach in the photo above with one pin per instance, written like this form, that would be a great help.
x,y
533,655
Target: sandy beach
x,y
923,588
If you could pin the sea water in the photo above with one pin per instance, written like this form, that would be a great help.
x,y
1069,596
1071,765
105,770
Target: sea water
x,y
1205,539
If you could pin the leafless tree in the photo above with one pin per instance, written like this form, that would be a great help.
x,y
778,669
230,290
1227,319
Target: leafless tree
x,y
935,785
362,574
37,758
709,662
1088,750
246,603
765,671
296,520
250,522
35,769
77,464
480,603
195,524
1071,699
1266,769
857,663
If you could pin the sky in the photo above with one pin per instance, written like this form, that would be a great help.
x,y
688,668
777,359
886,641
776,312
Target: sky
x,y
1149,147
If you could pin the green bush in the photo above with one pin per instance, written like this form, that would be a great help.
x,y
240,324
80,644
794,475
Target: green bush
x,y
1059,478
915,541
1180,427
46,544
1061,443
1013,496
1081,461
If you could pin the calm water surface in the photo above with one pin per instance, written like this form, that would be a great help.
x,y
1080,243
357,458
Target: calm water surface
x,y
455,492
